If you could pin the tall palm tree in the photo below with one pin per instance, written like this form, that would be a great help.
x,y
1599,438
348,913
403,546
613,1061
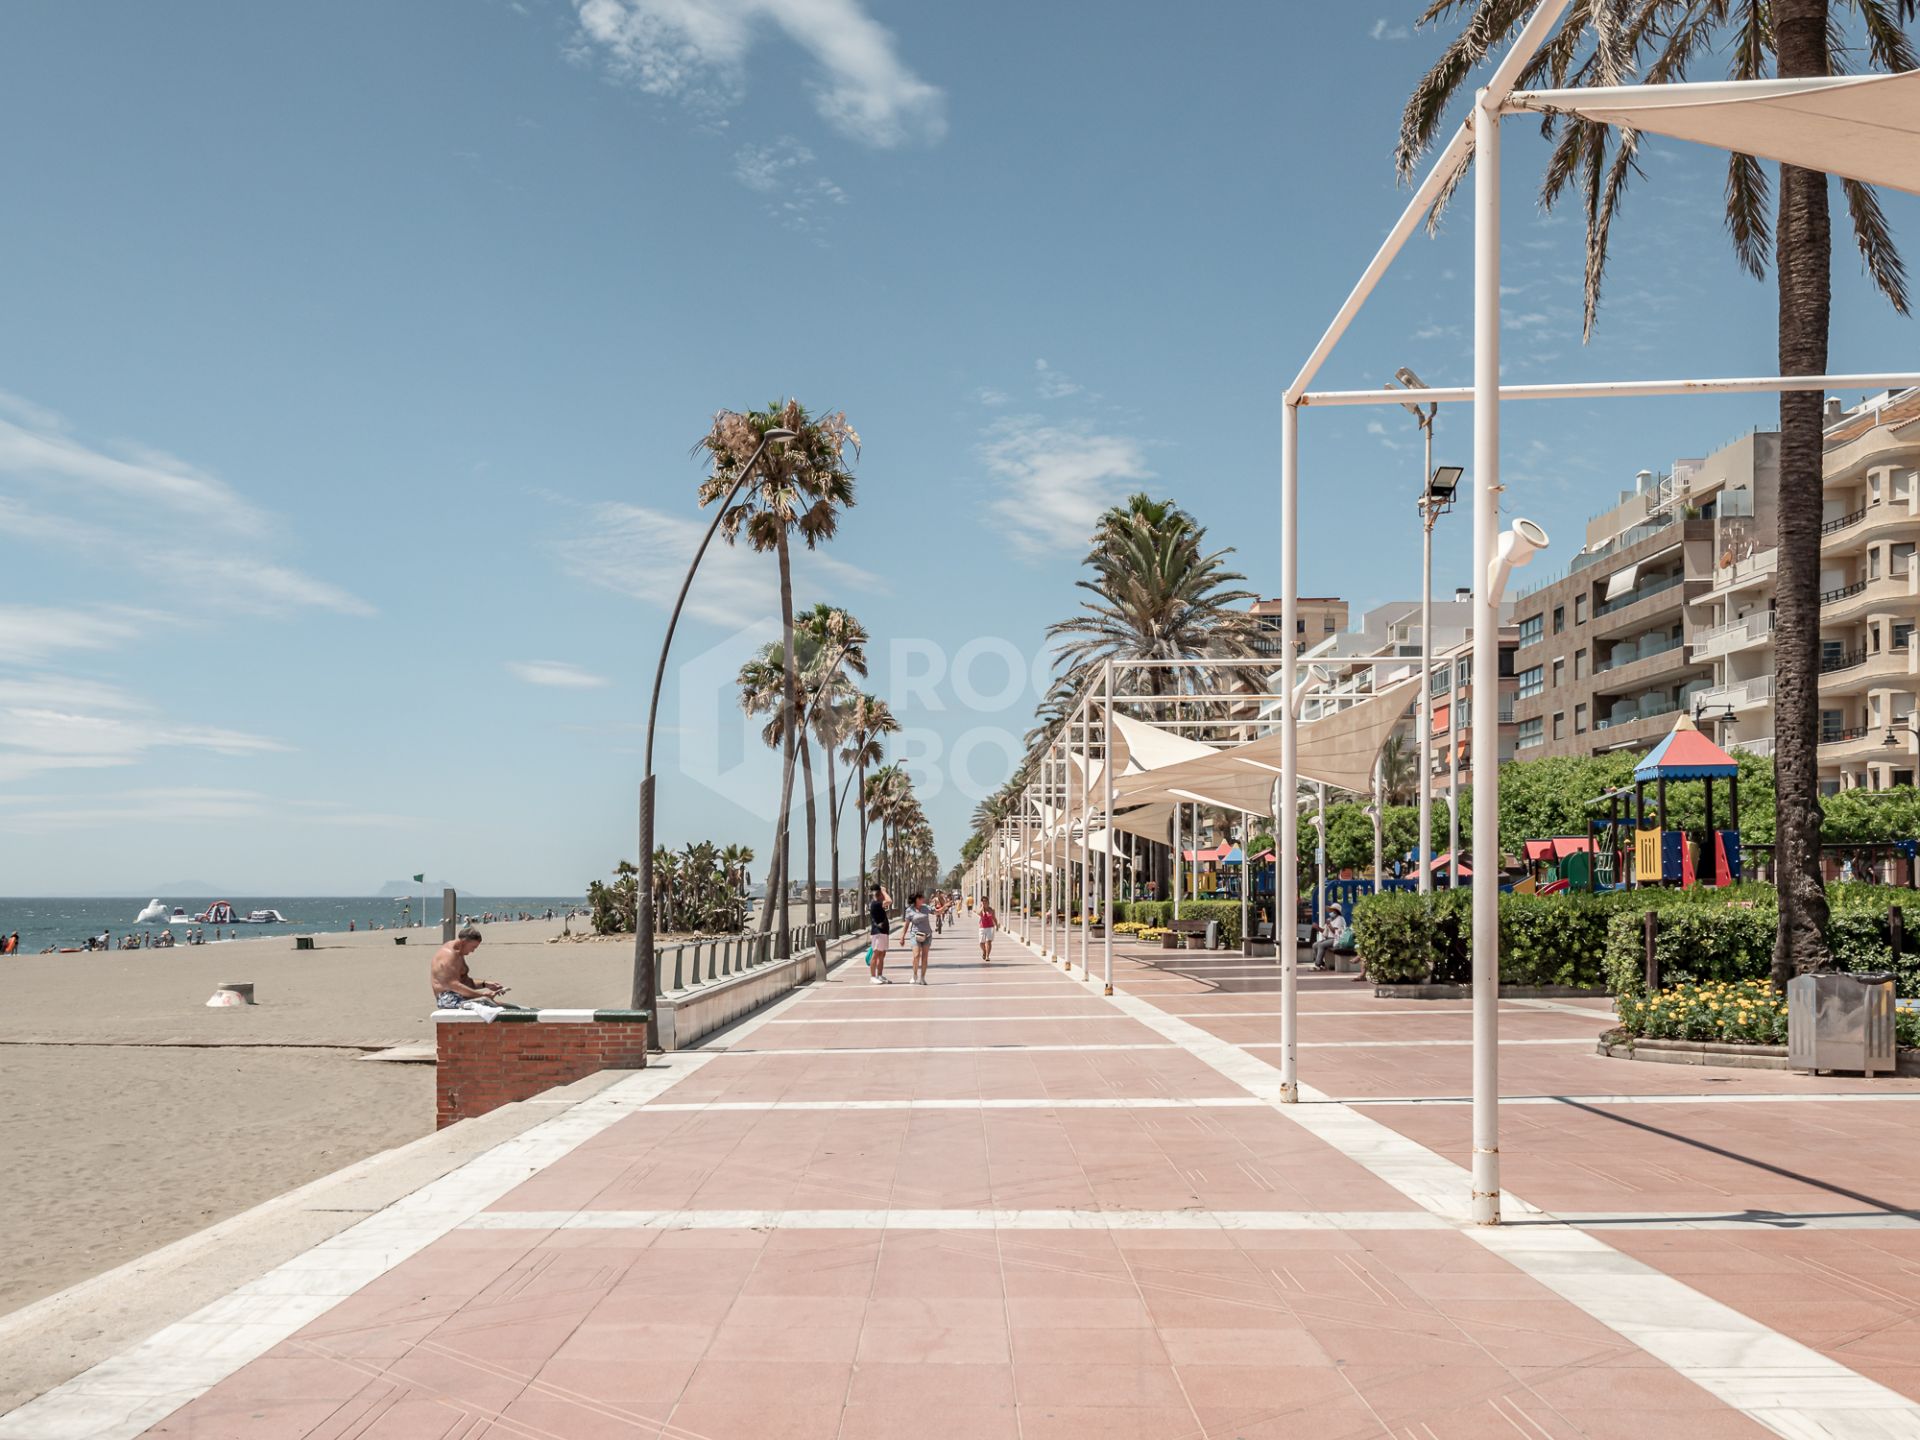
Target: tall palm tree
x,y
734,860
837,648
1611,42
1157,595
888,799
800,486
869,720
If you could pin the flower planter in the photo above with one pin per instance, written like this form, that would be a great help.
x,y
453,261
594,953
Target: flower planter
x,y
1617,1046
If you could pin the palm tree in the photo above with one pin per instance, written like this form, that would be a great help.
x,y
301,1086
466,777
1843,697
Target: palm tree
x,y
1157,595
836,646
888,800
734,860
1399,770
868,721
801,486
1611,42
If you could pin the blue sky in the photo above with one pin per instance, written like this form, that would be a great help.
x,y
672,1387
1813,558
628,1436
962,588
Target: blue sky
x,y
353,355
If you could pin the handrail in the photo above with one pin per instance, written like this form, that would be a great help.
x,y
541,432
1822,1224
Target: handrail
x,y
1827,597
1845,661
1842,522
1841,737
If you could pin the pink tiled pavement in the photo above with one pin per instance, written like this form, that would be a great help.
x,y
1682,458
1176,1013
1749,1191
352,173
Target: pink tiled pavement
x,y
1161,1333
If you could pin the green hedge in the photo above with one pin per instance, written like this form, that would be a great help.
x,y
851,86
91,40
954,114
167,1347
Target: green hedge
x,y
1544,940
1405,938
1160,912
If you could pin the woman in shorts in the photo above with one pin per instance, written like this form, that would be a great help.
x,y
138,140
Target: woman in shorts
x,y
918,928
987,926
877,929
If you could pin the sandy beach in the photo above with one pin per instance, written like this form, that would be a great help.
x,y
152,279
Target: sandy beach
x,y
136,1115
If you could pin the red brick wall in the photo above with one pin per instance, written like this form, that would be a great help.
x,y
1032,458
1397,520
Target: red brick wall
x,y
482,1067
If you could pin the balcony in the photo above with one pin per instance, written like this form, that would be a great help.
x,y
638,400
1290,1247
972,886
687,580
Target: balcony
x,y
1892,593
1627,654
1741,695
1741,634
1855,742
1639,592
1628,712
1858,671
1854,532
1762,747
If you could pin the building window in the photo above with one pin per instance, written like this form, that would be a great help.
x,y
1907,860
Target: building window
x,y
1532,630
1529,734
1559,618
1579,664
1559,673
1326,625
1299,628
1559,724
1532,682
1829,787
1579,609
1580,719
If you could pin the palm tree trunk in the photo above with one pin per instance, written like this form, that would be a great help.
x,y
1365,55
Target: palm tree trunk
x,y
777,872
1805,262
860,804
833,834
813,828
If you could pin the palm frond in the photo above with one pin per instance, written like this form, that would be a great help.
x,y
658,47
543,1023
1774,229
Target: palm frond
x,y
1878,253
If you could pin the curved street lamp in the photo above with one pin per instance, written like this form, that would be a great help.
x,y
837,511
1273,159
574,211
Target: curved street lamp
x,y
646,986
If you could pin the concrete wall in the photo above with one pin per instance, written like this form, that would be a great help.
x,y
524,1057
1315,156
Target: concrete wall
x,y
685,1019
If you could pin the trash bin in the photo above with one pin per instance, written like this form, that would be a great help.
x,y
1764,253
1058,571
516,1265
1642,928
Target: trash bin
x,y
1840,1021
1213,934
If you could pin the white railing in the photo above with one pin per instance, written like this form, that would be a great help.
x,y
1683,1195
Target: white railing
x,y
1748,630
1758,691
1762,747
1741,571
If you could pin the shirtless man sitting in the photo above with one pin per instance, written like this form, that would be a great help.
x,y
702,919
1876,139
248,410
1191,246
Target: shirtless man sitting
x,y
454,987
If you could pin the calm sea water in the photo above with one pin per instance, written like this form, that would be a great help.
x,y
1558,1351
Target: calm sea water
x,y
62,921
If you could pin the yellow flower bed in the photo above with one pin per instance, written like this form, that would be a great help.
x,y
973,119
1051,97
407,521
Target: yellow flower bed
x,y
1736,1012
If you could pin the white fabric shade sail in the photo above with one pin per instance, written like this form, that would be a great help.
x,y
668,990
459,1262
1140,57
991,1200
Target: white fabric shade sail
x,y
1864,127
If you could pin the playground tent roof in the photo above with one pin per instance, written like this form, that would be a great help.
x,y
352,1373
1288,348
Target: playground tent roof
x,y
1686,754
1558,848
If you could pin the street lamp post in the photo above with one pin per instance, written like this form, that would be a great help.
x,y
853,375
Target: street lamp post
x,y
1436,498
645,979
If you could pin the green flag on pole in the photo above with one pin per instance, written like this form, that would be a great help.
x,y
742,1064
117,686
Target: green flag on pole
x,y
421,878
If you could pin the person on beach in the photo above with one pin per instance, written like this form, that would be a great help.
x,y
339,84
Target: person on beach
x,y
918,927
877,928
988,924
454,987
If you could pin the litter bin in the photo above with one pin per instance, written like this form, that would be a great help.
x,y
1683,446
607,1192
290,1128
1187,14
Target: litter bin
x,y
1840,1021
1213,934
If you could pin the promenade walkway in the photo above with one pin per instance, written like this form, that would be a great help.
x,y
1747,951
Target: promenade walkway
x,y
1004,1205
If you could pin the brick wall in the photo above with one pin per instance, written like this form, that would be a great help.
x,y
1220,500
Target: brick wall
x,y
482,1066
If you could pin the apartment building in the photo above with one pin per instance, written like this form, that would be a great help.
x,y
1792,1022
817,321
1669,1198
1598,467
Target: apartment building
x,y
1453,701
1603,659
1870,595
1319,617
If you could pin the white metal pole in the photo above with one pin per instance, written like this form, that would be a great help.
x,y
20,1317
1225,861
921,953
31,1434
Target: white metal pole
x,y
1379,825
1286,899
1486,663
1320,855
1179,818
1106,781
1246,881
1086,827
1425,847
1454,732
1050,815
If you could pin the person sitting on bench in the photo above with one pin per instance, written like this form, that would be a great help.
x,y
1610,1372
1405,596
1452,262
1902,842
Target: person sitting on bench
x,y
1323,944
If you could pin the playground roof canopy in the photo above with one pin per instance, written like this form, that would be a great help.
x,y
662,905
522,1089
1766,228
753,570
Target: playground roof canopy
x,y
1686,754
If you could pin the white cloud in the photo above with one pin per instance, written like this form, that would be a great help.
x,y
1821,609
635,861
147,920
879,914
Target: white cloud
x,y
179,805
987,395
1382,30
1056,480
783,172
556,673
643,554
52,731
32,633
128,494
696,51
1051,383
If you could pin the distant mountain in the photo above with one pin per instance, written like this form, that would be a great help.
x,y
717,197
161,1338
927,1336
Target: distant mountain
x,y
401,889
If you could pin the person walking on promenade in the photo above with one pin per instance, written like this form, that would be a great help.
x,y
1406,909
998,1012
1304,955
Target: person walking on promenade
x,y
918,927
877,928
988,923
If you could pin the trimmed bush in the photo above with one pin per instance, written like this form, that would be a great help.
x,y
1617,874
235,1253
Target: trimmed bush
x,y
1405,938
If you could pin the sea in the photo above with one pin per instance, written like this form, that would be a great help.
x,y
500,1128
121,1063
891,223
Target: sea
x,y
59,921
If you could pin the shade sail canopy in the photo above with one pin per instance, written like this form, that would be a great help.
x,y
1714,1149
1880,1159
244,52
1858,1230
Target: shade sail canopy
x,y
1865,127
1138,746
1686,754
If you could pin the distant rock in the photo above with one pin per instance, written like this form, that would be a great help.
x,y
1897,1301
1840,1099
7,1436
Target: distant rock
x,y
401,889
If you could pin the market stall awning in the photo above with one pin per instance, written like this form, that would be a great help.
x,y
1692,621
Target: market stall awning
x,y
1865,127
